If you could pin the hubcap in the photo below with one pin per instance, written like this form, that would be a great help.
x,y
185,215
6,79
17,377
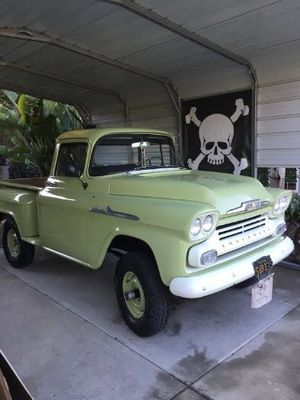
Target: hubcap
x,y
133,295
13,243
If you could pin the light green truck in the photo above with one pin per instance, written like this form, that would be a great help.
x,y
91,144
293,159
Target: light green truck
x,y
124,191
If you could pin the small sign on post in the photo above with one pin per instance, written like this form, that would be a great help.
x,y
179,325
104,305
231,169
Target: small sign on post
x,y
262,292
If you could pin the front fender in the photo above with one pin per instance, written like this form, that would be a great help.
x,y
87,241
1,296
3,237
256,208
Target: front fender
x,y
162,224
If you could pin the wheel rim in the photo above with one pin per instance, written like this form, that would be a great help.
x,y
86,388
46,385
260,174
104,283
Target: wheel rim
x,y
133,295
13,243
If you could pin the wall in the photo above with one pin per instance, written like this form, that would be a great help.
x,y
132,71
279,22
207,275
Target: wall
x,y
278,112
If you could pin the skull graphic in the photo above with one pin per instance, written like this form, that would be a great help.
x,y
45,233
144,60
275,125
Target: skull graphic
x,y
216,133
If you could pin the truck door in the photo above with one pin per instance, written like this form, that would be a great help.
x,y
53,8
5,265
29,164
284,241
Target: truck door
x,y
61,204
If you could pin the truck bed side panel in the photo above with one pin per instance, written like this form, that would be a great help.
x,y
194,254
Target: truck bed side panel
x,y
20,204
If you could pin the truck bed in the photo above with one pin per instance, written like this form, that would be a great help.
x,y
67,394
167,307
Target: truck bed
x,y
35,184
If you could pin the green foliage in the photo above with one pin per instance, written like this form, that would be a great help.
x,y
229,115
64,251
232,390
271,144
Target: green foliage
x,y
293,212
30,126
263,176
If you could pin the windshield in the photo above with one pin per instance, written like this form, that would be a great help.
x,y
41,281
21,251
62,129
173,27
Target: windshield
x,y
121,153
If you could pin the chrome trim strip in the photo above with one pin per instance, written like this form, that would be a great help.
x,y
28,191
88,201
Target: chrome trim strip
x,y
112,213
250,205
67,257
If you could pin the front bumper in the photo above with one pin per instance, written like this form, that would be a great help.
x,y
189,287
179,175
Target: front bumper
x,y
214,279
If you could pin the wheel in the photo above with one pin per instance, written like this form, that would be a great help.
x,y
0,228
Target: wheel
x,y
141,294
246,283
18,253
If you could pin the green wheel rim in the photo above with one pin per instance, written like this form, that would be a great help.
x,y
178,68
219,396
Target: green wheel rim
x,y
133,295
13,243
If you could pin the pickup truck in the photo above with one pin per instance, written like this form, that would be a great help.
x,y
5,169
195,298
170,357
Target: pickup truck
x,y
192,233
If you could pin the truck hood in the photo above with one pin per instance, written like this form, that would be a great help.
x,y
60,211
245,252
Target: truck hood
x,y
223,192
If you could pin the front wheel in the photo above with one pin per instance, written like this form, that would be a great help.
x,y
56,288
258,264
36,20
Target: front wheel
x,y
141,294
18,253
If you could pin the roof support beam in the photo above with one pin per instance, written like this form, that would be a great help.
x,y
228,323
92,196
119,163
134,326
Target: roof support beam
x,y
71,82
171,26
152,16
83,111
29,35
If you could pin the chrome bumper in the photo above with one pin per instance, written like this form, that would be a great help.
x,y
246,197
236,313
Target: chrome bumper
x,y
214,279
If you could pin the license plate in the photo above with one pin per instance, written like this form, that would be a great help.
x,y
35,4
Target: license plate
x,y
262,292
263,267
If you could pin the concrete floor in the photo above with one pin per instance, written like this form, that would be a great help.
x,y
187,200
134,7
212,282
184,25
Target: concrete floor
x,y
61,329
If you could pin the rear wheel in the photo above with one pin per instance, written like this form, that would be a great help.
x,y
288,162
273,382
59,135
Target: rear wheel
x,y
18,253
141,294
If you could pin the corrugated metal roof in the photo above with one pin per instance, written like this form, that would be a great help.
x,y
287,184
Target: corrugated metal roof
x,y
144,55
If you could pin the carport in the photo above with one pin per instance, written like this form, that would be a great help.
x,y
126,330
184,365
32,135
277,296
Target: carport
x,y
126,62
123,62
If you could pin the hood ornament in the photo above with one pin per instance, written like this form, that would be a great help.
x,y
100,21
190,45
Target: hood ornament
x,y
250,205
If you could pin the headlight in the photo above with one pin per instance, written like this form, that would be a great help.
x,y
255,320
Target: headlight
x,y
208,223
202,226
281,204
196,227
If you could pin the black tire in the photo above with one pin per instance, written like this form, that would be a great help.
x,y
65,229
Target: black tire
x,y
155,314
24,252
246,283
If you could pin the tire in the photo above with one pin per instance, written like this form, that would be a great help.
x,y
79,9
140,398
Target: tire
x,y
246,283
137,275
18,253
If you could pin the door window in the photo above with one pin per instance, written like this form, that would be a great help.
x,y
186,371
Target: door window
x,y
71,159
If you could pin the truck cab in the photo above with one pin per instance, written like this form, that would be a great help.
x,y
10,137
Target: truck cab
x,y
125,191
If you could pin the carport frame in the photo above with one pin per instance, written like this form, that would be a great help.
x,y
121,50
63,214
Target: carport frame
x,y
29,35
152,16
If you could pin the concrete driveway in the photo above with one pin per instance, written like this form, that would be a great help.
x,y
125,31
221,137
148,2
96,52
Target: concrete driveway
x,y
61,329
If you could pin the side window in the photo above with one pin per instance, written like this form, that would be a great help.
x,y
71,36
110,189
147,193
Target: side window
x,y
71,159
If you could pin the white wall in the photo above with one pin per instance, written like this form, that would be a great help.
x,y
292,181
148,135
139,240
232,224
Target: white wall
x,y
278,112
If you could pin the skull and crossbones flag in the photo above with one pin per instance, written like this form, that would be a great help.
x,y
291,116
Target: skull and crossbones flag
x,y
217,133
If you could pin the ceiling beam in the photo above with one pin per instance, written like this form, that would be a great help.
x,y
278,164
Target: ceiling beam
x,y
67,81
84,112
166,23
29,35
171,26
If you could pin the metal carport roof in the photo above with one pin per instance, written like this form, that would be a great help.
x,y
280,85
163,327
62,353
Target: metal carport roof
x,y
114,57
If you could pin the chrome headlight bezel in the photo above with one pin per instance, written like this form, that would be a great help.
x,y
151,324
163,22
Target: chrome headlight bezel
x,y
206,224
281,204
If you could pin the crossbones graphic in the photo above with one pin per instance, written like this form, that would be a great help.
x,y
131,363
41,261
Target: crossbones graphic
x,y
216,133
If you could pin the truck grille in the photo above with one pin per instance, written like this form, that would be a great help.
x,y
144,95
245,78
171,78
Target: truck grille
x,y
242,227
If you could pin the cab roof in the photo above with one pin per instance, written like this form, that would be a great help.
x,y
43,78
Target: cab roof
x,y
93,135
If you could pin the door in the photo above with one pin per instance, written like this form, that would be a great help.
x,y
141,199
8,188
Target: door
x,y
62,205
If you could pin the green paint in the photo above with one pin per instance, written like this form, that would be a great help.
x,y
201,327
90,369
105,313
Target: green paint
x,y
165,203
13,243
132,287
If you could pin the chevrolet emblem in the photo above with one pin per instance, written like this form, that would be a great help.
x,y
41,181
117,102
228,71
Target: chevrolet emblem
x,y
250,205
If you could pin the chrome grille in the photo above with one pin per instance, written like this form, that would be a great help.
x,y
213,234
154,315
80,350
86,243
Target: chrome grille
x,y
245,226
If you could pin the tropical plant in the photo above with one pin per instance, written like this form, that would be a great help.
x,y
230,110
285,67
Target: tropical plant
x,y
29,127
293,212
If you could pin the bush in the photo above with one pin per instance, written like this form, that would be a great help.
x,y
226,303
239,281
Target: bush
x,y
293,212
